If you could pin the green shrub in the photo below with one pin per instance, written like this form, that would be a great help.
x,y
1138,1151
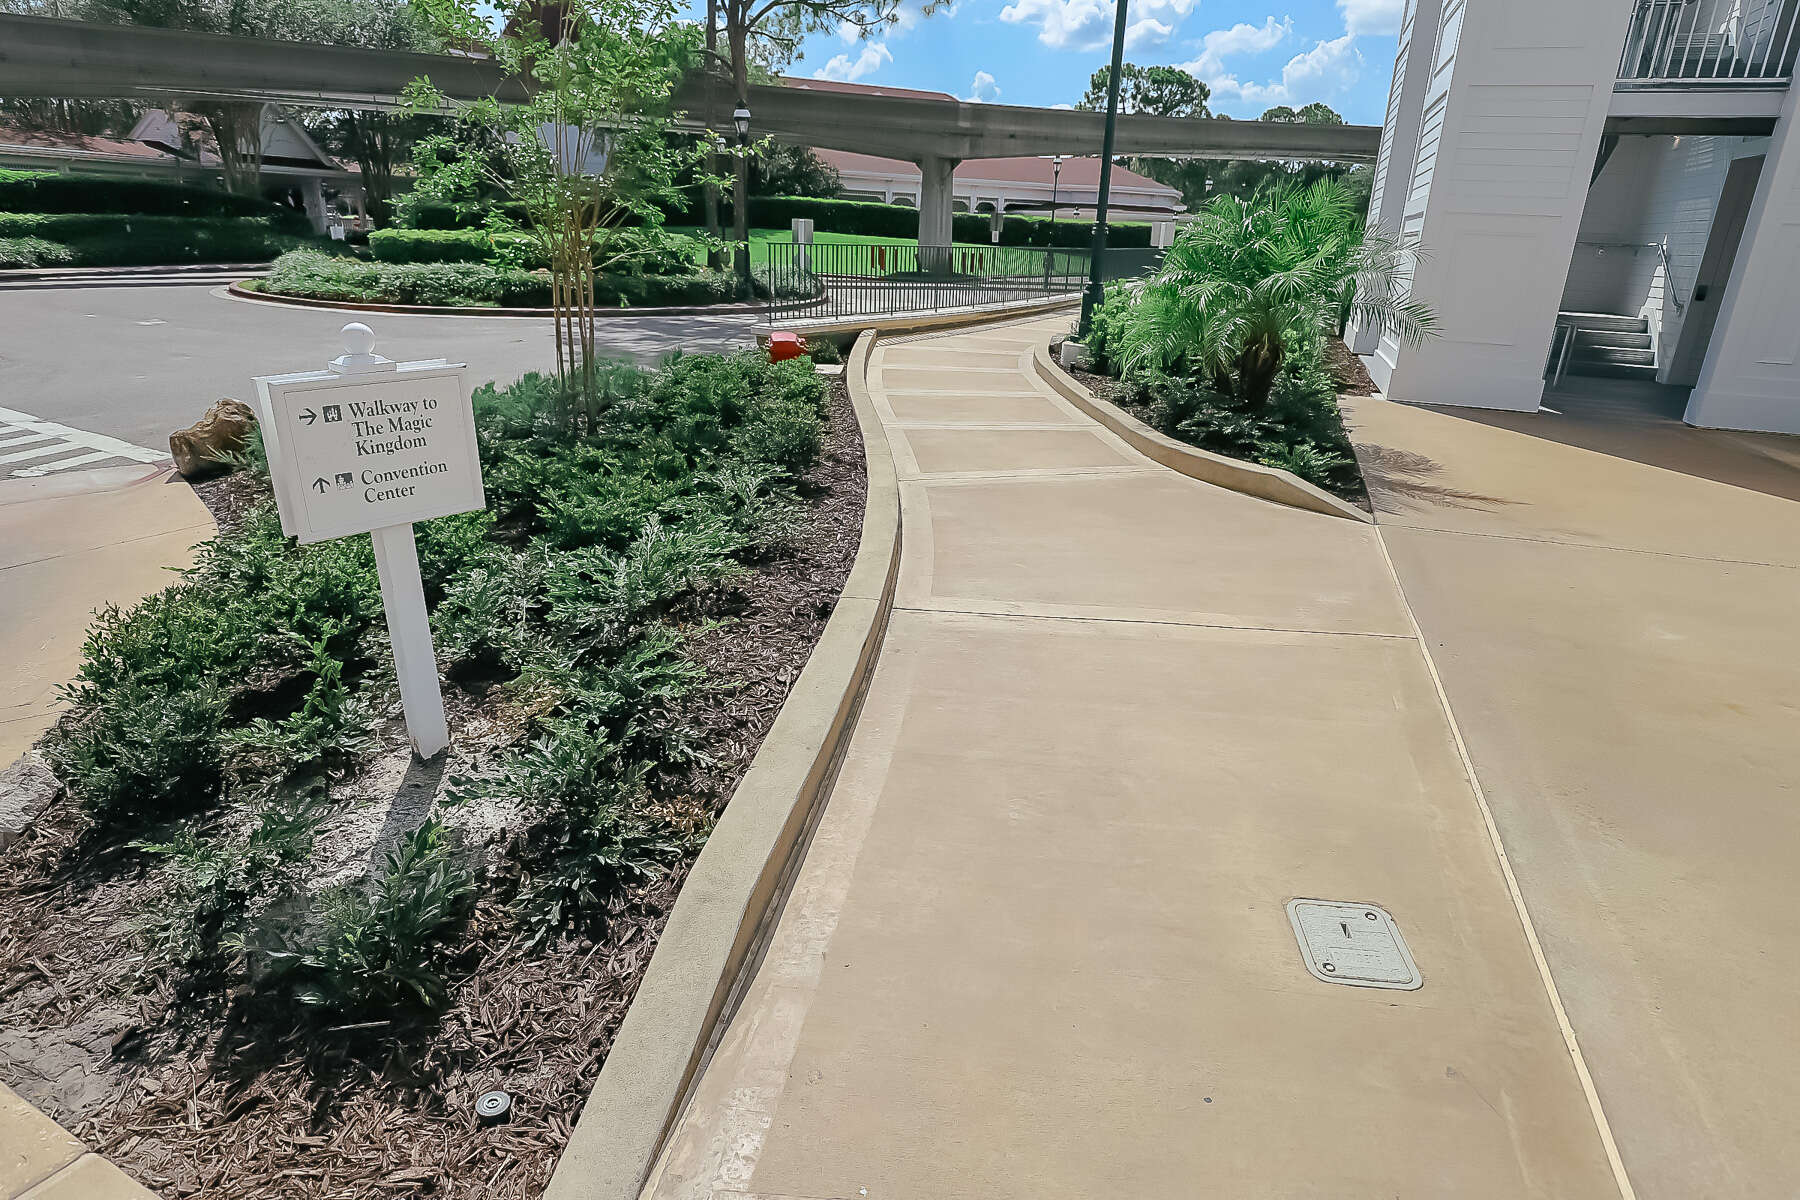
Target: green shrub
x,y
45,192
122,240
786,433
823,350
437,214
33,252
381,949
452,245
146,752
1110,318
211,886
316,275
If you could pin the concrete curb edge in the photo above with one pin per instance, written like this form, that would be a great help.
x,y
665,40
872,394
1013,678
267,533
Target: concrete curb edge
x,y
731,896
1251,479
239,292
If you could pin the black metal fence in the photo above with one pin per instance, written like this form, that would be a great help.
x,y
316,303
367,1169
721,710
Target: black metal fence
x,y
824,281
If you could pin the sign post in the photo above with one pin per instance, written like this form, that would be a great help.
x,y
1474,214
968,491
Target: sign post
x,y
371,446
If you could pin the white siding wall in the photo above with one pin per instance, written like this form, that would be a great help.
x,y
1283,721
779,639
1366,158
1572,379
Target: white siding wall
x,y
1652,188
1512,119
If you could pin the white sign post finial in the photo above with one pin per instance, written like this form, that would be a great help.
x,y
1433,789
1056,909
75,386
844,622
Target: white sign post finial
x,y
372,445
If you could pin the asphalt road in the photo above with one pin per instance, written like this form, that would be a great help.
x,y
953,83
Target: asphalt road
x,y
137,362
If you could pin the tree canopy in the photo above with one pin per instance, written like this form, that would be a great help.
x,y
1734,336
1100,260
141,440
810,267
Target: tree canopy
x,y
1158,91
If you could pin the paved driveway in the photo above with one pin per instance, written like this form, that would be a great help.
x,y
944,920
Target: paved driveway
x,y
1612,599
136,362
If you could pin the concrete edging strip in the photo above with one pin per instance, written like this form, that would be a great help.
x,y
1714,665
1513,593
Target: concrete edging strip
x,y
713,931
239,292
1252,479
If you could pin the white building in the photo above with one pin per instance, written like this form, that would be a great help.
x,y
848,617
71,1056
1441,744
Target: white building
x,y
1600,187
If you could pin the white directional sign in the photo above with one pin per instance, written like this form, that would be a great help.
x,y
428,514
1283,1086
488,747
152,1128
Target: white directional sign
x,y
352,453
370,446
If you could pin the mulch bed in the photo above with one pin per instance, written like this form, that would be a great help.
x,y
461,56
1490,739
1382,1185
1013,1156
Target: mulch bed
x,y
197,1097
1347,372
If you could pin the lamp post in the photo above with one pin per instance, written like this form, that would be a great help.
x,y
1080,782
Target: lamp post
x,y
740,199
1056,161
1093,294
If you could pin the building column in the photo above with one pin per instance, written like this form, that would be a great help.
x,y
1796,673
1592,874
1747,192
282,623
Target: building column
x,y
312,191
1400,131
937,178
1751,376
1513,114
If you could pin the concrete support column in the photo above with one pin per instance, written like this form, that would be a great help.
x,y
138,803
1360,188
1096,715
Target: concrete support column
x,y
1751,376
937,178
312,192
1400,130
1513,114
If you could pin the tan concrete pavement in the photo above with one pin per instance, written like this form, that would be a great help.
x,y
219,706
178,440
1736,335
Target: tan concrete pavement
x,y
1038,947
1611,599
70,543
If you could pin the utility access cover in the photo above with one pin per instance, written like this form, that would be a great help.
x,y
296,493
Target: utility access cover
x,y
1357,944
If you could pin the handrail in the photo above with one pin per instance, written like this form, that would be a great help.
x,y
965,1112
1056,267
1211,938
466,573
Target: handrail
x,y
1662,252
1727,42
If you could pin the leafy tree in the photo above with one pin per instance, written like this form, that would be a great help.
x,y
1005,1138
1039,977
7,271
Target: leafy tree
x,y
1247,281
586,156
1159,91
784,170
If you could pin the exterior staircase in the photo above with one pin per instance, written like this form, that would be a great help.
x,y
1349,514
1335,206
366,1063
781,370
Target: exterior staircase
x,y
1613,346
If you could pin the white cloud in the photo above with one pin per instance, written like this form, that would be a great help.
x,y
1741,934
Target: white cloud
x,y
843,69
1087,24
983,90
1329,67
1241,38
1380,18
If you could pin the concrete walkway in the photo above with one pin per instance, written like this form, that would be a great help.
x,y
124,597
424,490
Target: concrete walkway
x,y
1612,599
69,544
1037,947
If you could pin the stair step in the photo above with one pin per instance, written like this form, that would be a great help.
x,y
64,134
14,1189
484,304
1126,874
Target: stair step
x,y
1615,355
1603,370
1603,337
1610,322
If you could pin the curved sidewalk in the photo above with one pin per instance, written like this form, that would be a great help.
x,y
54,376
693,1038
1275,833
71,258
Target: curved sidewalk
x,y
1038,945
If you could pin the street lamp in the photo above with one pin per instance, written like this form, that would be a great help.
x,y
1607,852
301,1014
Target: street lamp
x,y
1094,292
740,200
1056,161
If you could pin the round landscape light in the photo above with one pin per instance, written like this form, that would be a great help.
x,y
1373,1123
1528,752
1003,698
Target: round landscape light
x,y
493,1106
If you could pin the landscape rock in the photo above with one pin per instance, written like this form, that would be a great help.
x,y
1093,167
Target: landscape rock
x,y
26,789
204,447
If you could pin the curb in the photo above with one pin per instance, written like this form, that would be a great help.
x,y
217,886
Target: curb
x,y
168,270
44,1161
729,903
451,310
1251,479
921,321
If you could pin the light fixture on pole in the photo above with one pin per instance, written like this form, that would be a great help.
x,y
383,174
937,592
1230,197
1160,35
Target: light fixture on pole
x,y
1093,294
740,200
1056,162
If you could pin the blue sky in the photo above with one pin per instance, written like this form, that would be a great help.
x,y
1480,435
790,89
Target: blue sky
x,y
1041,52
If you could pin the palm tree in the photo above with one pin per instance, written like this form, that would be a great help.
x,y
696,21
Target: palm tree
x,y
1249,281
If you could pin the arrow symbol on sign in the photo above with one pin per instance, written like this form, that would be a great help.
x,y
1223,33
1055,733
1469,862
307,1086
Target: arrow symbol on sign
x,y
319,485
308,415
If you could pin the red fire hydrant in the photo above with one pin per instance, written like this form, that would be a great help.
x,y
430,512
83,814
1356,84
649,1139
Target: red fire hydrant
x,y
783,346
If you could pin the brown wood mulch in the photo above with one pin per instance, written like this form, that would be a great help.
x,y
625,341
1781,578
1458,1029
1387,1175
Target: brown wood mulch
x,y
196,1100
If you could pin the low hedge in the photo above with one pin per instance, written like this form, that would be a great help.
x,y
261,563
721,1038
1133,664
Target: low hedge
x,y
432,214
33,252
449,245
315,275
44,192
128,240
651,253
899,221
